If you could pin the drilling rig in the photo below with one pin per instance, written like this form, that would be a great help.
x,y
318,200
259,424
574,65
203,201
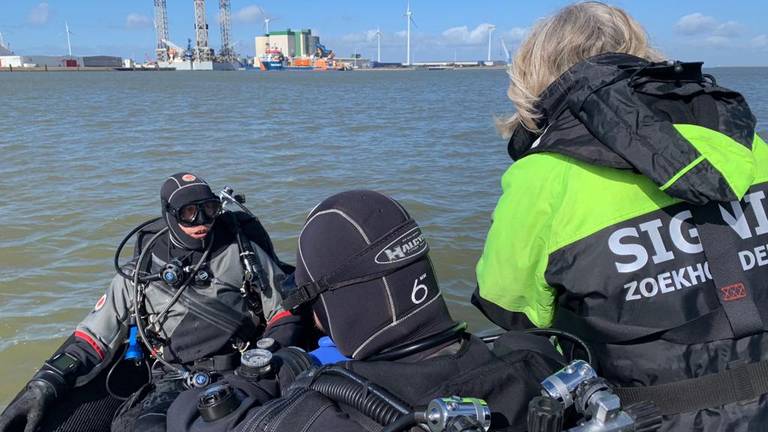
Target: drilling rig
x,y
161,31
202,51
226,53
170,55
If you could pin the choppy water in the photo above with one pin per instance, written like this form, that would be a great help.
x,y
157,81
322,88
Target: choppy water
x,y
82,156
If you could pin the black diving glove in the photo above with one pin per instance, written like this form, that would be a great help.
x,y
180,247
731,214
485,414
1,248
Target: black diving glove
x,y
50,382
28,409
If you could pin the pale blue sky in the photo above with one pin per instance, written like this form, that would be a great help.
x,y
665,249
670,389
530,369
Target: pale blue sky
x,y
718,32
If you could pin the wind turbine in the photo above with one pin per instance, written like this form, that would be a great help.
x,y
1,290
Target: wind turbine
x,y
267,20
378,44
490,33
409,20
69,43
507,55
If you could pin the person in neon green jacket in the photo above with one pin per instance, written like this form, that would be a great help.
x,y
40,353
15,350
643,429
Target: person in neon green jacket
x,y
635,216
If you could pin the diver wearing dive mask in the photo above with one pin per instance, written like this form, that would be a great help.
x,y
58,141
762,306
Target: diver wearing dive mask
x,y
185,292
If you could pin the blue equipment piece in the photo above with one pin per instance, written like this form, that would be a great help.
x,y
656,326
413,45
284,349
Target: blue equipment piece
x,y
327,353
134,351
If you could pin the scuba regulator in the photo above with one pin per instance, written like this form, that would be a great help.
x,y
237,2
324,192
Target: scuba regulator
x,y
456,414
577,385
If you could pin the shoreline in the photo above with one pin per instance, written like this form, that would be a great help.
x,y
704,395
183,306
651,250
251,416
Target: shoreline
x,y
11,69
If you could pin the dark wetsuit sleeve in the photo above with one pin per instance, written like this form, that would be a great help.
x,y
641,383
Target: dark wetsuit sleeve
x,y
289,330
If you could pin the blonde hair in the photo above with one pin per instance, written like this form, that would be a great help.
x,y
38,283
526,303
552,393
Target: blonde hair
x,y
575,33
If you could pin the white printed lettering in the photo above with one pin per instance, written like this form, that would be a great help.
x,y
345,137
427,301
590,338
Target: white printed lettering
x,y
631,293
661,254
644,287
694,273
419,288
678,277
755,200
665,283
668,282
618,248
676,232
737,221
761,255
747,260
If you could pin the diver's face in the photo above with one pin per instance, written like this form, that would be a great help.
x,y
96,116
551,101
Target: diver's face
x,y
197,232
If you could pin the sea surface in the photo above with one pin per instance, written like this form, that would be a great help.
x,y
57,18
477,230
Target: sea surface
x,y
82,156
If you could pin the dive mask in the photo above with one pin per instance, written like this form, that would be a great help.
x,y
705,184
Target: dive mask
x,y
197,213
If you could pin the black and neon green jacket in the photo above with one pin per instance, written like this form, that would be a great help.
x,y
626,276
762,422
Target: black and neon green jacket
x,y
594,233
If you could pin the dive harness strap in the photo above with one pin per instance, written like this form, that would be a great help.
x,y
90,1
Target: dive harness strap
x,y
734,289
364,266
741,383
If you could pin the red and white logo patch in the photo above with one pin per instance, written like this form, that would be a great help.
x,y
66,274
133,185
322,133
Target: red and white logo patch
x,y
100,303
188,178
733,292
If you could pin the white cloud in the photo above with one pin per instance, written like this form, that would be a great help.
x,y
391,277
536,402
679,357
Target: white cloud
x,y
137,21
249,14
760,42
516,34
707,31
717,41
464,36
729,29
696,23
700,24
364,37
39,14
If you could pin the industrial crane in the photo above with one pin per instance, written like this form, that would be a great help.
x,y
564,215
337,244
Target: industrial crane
x,y
167,50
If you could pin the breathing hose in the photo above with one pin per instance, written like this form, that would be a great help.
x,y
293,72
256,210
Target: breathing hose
x,y
120,247
136,315
402,424
431,341
112,369
347,387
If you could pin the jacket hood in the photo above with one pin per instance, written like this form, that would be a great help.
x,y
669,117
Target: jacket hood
x,y
667,121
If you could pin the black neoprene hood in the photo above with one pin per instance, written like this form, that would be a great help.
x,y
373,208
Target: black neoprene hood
x,y
177,191
367,317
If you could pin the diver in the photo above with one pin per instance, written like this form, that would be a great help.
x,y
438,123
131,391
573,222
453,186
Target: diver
x,y
634,216
203,284
364,270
